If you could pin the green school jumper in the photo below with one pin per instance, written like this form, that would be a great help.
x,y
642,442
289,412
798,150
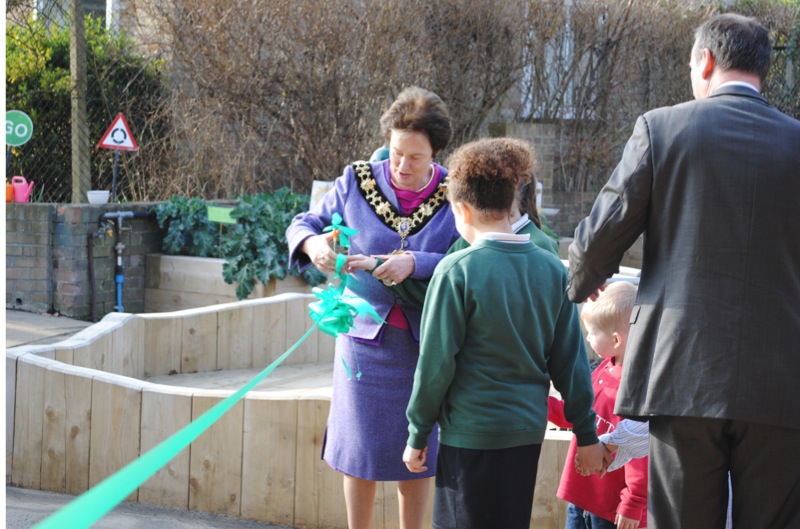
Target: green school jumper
x,y
496,328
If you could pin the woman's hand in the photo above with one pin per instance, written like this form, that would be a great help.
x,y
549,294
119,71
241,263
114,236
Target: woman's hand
x,y
361,262
318,249
395,269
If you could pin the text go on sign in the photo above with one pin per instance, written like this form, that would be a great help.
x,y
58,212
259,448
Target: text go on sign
x,y
19,128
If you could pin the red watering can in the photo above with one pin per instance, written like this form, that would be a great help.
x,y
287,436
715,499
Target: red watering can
x,y
22,189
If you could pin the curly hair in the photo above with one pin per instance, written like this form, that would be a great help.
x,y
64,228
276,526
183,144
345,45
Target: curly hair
x,y
486,173
419,110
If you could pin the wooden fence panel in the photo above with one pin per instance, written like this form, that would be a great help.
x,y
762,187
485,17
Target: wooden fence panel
x,y
127,347
78,428
270,450
54,442
215,467
549,512
165,411
162,350
11,394
199,342
319,498
116,416
28,422
235,338
94,352
269,333
297,323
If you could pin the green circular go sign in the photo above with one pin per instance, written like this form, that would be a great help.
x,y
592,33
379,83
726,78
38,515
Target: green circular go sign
x,y
19,128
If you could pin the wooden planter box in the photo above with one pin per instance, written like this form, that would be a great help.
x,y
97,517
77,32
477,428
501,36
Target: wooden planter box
x,y
82,409
177,282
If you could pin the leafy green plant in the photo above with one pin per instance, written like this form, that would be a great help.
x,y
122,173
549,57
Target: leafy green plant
x,y
255,248
188,230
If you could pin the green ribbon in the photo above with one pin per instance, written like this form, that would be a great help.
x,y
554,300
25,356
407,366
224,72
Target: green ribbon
x,y
333,314
335,311
93,504
341,233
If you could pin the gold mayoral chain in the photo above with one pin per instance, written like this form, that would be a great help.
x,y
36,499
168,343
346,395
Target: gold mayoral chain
x,y
404,226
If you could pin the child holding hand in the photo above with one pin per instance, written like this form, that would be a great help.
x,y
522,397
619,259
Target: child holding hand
x,y
617,499
496,328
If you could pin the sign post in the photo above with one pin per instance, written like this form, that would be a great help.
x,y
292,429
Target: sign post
x,y
19,129
118,137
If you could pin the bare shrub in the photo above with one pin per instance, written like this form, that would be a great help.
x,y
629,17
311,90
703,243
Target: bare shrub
x,y
269,93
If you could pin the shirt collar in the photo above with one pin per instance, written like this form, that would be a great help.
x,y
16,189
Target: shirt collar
x,y
505,237
520,223
739,83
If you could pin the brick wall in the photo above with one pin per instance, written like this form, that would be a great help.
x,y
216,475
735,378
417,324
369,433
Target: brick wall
x,y
48,266
571,206
29,271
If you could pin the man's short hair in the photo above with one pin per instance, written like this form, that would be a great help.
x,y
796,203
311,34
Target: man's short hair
x,y
737,43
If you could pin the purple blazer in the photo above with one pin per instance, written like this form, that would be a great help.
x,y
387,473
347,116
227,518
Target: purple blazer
x,y
428,245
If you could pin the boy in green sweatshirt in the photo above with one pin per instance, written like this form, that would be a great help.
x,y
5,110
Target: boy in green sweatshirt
x,y
497,327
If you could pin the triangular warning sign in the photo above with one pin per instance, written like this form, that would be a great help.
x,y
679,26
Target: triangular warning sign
x,y
118,136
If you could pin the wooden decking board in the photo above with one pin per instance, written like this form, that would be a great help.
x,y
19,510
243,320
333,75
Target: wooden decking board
x,y
298,379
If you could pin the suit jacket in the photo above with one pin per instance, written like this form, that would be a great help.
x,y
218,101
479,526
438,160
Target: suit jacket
x,y
374,237
714,184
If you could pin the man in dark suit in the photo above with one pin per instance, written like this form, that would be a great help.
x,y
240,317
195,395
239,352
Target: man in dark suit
x,y
714,347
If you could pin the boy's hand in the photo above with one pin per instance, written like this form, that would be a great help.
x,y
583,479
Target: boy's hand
x,y
415,459
626,523
592,459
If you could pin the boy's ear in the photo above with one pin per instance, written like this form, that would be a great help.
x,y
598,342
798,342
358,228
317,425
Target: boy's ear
x,y
466,211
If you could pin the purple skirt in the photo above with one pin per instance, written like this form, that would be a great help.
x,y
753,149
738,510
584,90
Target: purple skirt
x,y
367,427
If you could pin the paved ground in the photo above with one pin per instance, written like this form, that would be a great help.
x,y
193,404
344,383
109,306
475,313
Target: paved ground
x,y
28,328
25,508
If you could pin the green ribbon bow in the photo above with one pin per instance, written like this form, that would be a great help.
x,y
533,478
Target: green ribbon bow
x,y
335,311
341,233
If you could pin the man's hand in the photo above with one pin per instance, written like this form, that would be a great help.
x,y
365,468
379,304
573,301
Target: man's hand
x,y
415,459
611,449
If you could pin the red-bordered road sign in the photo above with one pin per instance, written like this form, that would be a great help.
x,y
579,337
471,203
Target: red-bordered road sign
x,y
119,136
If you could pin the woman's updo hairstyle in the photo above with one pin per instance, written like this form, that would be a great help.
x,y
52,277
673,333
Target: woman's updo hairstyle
x,y
419,110
485,173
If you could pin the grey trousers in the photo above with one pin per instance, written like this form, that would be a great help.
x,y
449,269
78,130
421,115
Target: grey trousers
x,y
690,459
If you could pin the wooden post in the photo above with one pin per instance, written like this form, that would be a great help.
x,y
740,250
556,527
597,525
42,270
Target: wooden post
x,y
81,167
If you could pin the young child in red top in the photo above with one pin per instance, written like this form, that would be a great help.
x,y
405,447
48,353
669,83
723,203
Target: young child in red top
x,y
618,499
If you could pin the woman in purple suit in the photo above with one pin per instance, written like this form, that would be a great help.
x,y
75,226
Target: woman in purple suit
x,y
404,228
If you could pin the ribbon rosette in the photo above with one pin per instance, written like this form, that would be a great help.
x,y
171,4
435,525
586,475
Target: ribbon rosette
x,y
335,311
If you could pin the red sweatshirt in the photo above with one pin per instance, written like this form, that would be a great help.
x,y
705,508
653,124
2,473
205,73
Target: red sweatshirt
x,y
623,491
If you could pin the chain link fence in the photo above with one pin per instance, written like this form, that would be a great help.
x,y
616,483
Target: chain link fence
x,y
118,80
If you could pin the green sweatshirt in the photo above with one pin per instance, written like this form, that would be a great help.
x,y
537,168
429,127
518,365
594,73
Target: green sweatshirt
x,y
413,290
496,328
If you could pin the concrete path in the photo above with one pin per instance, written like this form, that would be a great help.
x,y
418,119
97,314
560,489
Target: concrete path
x,y
28,328
25,508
